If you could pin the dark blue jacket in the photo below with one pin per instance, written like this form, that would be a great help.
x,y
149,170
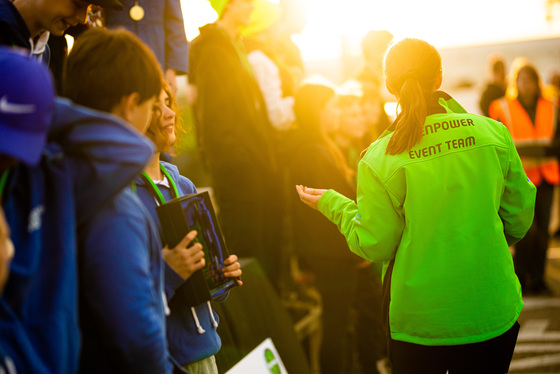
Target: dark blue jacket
x,y
14,31
187,343
6,364
89,158
121,291
162,29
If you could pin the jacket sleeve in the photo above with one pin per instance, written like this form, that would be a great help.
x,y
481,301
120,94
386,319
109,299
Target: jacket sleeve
x,y
372,227
176,44
172,281
121,294
518,199
104,153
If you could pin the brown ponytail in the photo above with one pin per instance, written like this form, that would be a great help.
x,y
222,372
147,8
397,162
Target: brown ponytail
x,y
412,68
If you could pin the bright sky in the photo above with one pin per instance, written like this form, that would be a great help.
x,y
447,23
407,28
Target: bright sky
x,y
443,23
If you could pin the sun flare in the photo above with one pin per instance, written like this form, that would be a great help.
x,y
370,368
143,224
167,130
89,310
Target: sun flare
x,y
335,27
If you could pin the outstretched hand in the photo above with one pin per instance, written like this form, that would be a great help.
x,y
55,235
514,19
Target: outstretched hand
x,y
310,196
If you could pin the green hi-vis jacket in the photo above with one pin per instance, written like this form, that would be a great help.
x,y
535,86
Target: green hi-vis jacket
x,y
446,212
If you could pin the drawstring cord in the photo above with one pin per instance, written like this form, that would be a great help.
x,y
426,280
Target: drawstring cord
x,y
199,327
197,322
214,322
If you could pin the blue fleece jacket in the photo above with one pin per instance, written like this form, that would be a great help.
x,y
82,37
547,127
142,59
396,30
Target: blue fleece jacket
x,y
187,343
90,156
121,291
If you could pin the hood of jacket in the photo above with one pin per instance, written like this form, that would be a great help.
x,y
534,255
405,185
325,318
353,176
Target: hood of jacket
x,y
109,146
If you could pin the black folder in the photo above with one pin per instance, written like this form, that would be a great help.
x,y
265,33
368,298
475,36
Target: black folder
x,y
196,212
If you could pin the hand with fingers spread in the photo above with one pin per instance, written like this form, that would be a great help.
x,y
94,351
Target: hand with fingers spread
x,y
232,268
310,196
183,259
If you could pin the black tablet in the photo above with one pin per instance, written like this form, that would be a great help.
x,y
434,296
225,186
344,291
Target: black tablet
x,y
196,212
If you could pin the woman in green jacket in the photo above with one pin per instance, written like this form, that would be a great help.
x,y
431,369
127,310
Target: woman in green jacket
x,y
441,196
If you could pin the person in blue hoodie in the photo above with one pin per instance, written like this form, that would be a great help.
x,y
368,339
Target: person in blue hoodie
x,y
122,304
50,187
191,332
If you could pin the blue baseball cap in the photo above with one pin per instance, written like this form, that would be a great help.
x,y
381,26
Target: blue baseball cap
x,y
26,105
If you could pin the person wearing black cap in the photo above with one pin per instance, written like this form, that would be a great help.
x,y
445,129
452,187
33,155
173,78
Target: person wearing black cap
x,y
29,23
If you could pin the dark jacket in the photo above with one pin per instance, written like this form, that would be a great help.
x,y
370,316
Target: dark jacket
x,y
122,315
13,30
162,29
490,93
230,111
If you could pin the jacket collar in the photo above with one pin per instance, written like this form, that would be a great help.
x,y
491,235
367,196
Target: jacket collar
x,y
439,103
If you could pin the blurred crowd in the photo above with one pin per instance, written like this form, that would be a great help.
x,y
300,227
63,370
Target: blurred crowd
x,y
90,149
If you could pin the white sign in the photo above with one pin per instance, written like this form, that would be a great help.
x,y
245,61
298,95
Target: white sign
x,y
262,360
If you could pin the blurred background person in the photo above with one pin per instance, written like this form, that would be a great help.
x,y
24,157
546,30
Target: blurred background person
x,y
497,82
351,125
374,45
236,138
293,18
552,89
533,123
274,79
319,247
353,137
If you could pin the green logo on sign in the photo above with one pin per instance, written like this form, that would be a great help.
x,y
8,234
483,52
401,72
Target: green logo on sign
x,y
271,362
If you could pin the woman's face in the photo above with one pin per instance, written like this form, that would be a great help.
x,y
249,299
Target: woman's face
x,y
240,11
330,116
527,86
353,123
162,128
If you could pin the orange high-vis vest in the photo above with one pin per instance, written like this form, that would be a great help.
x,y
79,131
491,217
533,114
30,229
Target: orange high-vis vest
x,y
512,114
